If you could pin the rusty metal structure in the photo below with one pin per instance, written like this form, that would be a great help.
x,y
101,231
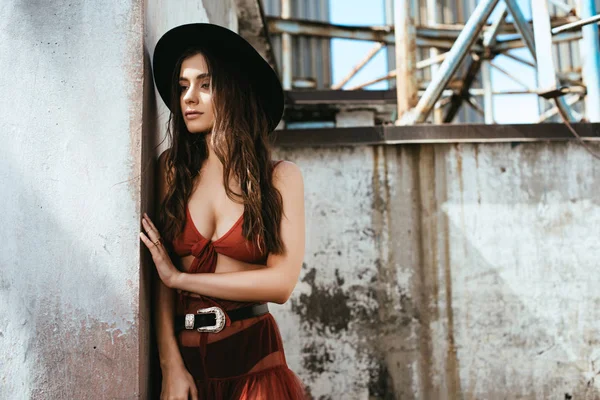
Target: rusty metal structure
x,y
440,54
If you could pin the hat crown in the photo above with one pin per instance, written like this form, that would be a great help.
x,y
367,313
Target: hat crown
x,y
222,43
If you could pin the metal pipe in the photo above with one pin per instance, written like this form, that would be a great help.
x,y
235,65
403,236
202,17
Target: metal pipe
x,y
565,7
542,53
547,82
322,29
504,45
522,26
430,61
489,37
374,50
432,20
392,74
286,48
576,24
570,100
390,51
459,50
299,27
590,51
508,74
405,36
488,98
475,106
519,59
489,40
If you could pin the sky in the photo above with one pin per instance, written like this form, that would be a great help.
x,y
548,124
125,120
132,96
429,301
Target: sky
x,y
347,53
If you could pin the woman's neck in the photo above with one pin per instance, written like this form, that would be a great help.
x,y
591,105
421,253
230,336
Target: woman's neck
x,y
212,159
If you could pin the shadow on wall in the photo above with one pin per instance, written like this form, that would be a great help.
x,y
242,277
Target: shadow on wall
x,y
151,133
440,300
67,319
71,285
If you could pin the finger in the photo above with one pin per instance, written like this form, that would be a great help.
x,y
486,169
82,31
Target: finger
x,y
151,246
194,393
150,221
152,234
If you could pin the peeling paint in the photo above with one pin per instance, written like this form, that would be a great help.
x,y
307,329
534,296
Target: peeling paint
x,y
326,307
461,271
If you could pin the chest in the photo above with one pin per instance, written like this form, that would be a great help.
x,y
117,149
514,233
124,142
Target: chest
x,y
212,212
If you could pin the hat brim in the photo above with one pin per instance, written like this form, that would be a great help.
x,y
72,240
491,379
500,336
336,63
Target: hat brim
x,y
230,47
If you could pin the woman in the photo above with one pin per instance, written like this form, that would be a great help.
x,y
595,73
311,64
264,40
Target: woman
x,y
231,222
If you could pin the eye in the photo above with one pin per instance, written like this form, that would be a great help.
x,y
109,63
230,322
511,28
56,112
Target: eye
x,y
182,88
205,86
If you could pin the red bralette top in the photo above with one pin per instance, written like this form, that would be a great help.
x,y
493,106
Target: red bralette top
x,y
232,244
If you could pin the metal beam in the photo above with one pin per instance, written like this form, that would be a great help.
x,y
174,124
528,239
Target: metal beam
x,y
406,84
540,16
522,25
458,98
488,95
459,50
578,24
450,133
489,40
547,82
286,48
368,57
433,18
570,100
563,6
383,34
590,49
519,59
509,44
510,76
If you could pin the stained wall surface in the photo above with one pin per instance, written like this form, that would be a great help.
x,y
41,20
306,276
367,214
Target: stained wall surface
x,y
448,271
71,325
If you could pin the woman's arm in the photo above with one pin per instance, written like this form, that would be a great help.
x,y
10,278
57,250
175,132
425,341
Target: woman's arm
x,y
165,298
276,281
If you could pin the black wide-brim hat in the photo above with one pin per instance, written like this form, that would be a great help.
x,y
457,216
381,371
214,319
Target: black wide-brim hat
x,y
229,47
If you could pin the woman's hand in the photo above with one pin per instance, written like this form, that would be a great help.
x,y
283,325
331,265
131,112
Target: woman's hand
x,y
166,270
178,384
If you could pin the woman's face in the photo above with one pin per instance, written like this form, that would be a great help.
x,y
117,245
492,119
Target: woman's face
x,y
195,95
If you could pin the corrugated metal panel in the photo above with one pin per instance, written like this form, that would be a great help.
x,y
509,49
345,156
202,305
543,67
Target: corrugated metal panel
x,y
311,56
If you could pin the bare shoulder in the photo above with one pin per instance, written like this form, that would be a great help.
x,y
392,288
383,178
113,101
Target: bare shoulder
x,y
287,174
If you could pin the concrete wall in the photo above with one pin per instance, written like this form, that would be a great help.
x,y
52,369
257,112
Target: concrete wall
x,y
448,271
70,128
433,271
78,126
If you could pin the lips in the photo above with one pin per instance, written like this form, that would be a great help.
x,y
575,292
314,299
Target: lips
x,y
193,114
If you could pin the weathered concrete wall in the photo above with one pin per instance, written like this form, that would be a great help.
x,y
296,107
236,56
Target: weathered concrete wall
x,y
70,134
447,272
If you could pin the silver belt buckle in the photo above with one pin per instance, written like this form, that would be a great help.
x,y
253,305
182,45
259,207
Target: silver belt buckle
x,y
219,320
189,321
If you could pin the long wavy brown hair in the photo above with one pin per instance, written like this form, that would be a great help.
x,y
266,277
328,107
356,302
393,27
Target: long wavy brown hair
x,y
240,139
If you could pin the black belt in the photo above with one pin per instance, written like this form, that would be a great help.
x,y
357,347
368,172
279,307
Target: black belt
x,y
212,319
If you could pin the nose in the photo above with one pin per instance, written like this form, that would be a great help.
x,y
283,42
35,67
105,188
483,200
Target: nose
x,y
191,95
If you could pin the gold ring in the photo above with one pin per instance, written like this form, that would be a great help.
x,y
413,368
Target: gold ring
x,y
157,242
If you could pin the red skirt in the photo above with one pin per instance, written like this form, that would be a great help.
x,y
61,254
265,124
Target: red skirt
x,y
244,361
